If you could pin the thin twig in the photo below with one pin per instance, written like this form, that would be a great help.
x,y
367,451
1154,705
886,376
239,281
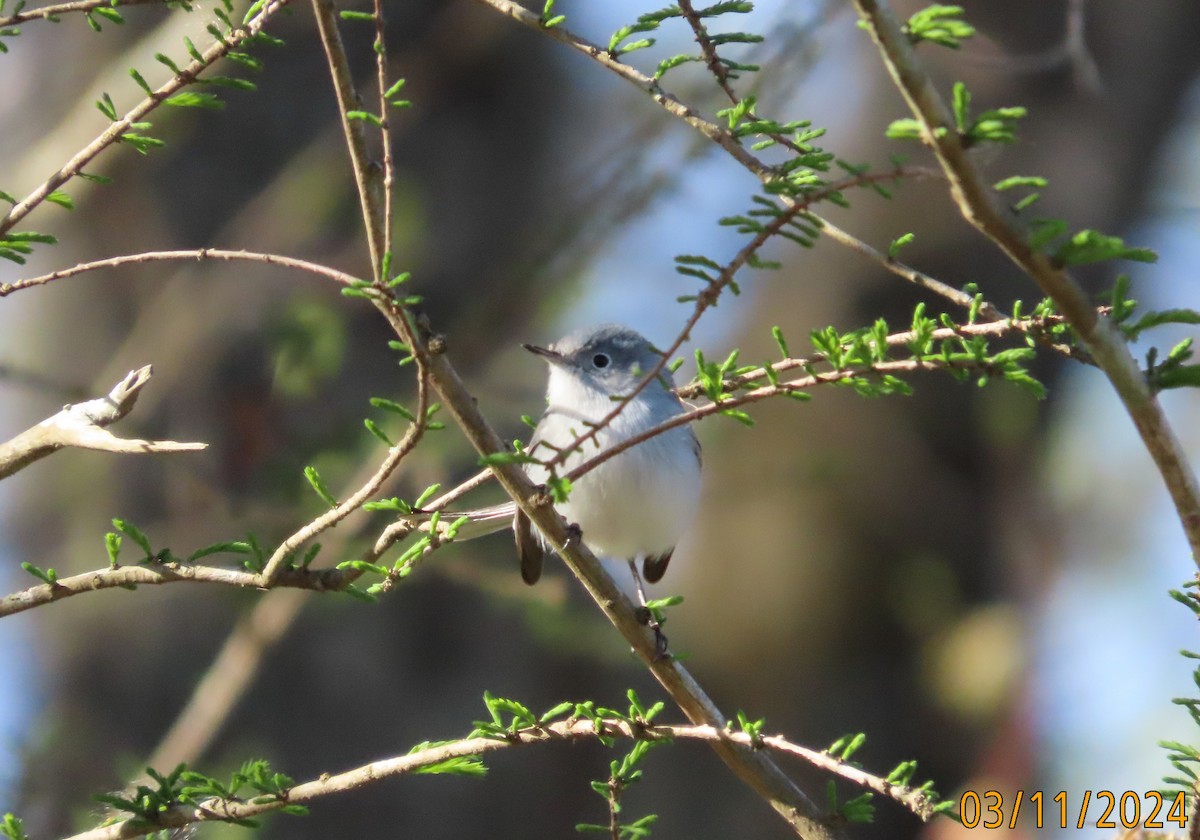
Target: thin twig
x,y
401,528
793,386
918,278
646,83
195,255
1036,327
708,50
396,454
385,134
730,144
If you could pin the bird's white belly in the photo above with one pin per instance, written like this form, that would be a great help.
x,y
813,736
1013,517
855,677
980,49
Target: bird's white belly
x,y
638,503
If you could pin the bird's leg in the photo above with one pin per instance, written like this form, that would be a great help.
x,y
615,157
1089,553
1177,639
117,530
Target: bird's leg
x,y
645,615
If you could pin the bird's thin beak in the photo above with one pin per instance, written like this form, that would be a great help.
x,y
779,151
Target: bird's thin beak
x,y
551,356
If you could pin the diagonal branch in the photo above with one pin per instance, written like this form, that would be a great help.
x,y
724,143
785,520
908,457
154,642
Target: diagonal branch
x,y
186,76
754,768
82,425
412,436
728,142
974,198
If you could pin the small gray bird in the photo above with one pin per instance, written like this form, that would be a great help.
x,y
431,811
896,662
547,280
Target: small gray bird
x,y
637,504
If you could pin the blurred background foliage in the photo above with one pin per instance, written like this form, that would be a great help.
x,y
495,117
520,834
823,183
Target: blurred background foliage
x,y
877,565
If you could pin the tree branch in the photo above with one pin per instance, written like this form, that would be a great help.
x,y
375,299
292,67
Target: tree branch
x,y
412,436
57,9
755,769
916,800
974,198
82,425
366,173
122,125
793,386
730,144
195,255
154,573
1037,328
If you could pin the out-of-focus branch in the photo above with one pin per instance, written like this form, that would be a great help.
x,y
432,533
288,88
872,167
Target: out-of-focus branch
x,y
82,425
231,672
974,197
1073,50
123,125
916,800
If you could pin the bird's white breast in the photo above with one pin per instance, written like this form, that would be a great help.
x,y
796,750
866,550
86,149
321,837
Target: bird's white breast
x,y
638,503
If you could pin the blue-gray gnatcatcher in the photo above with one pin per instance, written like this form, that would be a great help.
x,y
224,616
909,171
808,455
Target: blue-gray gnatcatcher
x,y
637,504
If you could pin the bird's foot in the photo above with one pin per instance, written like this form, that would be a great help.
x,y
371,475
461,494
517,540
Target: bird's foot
x,y
574,534
646,617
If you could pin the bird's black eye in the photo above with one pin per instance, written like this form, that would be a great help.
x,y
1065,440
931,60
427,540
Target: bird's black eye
x,y
600,360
